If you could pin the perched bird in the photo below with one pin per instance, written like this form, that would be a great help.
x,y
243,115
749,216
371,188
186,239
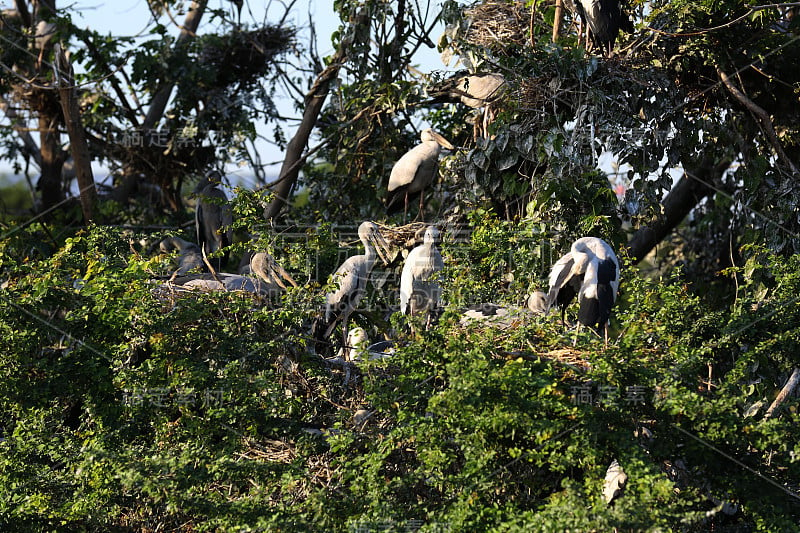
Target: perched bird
x,y
604,19
212,214
351,280
189,255
268,280
479,90
419,289
506,316
591,271
415,171
45,31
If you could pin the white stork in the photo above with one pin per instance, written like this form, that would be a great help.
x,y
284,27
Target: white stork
x,y
212,213
419,289
591,271
415,171
351,280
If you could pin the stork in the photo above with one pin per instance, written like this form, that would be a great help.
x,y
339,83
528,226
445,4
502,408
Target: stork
x,y
212,213
604,19
415,171
419,289
503,316
189,255
268,281
591,271
479,90
351,280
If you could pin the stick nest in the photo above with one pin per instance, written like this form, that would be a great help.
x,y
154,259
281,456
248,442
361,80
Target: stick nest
x,y
497,25
244,56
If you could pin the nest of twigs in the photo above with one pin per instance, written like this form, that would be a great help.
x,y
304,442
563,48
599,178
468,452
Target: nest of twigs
x,y
244,56
497,24
537,92
406,236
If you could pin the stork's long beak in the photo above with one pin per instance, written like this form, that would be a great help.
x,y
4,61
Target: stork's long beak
x,y
443,142
381,246
279,273
273,271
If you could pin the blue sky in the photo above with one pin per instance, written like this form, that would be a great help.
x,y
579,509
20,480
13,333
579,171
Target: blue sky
x,y
133,18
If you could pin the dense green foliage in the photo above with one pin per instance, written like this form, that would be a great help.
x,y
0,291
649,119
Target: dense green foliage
x,y
125,407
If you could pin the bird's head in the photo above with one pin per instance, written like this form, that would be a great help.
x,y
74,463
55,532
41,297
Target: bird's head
x,y
370,233
265,267
428,135
432,235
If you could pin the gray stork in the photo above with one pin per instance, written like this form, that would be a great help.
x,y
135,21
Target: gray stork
x,y
503,316
591,271
351,280
268,280
419,289
415,171
604,19
189,255
479,90
212,213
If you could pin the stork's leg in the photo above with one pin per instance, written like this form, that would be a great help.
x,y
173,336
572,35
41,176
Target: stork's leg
x,y
405,209
420,213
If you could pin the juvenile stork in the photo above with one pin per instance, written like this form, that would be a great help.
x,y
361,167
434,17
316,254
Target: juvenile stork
x,y
189,255
591,271
351,280
268,280
419,289
415,171
212,213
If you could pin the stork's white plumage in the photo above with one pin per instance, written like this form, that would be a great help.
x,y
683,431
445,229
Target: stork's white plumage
x,y
420,291
415,171
351,280
591,271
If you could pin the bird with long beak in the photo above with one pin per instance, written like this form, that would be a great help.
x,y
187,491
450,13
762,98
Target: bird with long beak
x,y
213,216
589,270
420,289
268,280
415,171
351,280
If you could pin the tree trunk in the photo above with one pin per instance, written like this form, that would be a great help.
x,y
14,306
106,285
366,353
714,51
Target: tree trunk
x,y
294,159
694,185
159,102
52,156
49,184
77,137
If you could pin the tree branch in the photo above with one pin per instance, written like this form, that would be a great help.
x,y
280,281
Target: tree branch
x,y
684,196
77,137
761,115
790,386
159,102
